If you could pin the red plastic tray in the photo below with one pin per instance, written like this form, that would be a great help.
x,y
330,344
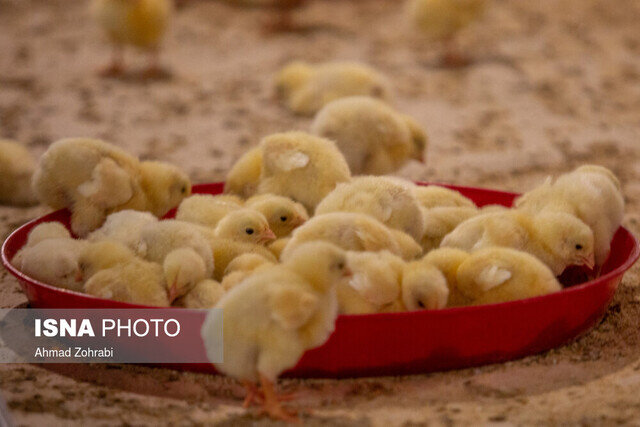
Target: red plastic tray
x,y
412,342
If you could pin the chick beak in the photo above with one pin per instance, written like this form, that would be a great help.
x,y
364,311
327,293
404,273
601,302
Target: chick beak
x,y
347,272
298,221
421,158
588,262
267,236
172,292
79,276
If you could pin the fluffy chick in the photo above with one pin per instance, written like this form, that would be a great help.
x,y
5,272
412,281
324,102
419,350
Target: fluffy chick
x,y
94,179
272,318
247,225
206,209
278,246
424,287
441,20
242,267
205,294
282,213
302,167
389,200
244,176
374,139
306,88
494,275
592,193
435,196
17,166
139,23
447,261
558,239
124,227
47,230
440,221
53,261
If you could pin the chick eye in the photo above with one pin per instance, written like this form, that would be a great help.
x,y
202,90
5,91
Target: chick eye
x,y
249,230
283,218
421,304
341,265
578,246
183,190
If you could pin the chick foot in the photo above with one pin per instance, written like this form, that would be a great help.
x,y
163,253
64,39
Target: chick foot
x,y
254,395
114,69
271,405
453,59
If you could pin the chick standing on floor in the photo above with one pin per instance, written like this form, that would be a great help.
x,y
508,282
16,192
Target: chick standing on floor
x,y
17,166
139,23
272,318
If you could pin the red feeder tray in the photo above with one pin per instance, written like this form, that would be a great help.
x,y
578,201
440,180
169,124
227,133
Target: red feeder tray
x,y
410,342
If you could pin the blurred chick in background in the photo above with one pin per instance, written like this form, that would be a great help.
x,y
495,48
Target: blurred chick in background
x,y
138,23
442,20
17,166
306,88
375,139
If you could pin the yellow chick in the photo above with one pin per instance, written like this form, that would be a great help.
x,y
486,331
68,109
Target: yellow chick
x,y
47,230
138,23
17,166
440,221
374,285
434,196
349,231
557,239
272,318
441,20
244,176
447,261
424,287
205,294
124,227
247,225
206,209
591,193
408,248
306,88
278,246
242,267
494,275
94,179
387,199
282,213
53,261
374,139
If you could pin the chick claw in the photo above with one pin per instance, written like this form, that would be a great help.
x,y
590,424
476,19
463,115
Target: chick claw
x,y
271,405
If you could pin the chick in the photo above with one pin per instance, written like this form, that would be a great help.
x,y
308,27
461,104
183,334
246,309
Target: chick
x,y
16,169
302,167
206,209
349,231
441,20
205,294
272,318
94,179
244,176
242,267
306,88
440,221
282,213
53,261
139,23
447,261
374,139
494,275
277,246
246,225
124,227
408,248
435,196
557,239
389,200
47,230
375,284
591,193
424,287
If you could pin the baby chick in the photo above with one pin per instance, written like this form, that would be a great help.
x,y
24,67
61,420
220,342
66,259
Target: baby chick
x,y
592,193
374,139
494,275
139,23
441,20
302,167
47,230
440,221
557,239
389,200
244,176
16,169
278,246
447,261
408,248
124,227
424,287
272,318
435,196
246,225
206,209
53,261
282,213
205,294
307,88
93,179
242,267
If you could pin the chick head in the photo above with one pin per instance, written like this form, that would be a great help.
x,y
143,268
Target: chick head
x,y
246,225
47,262
418,138
245,262
282,213
183,269
322,264
164,185
101,255
569,239
292,77
424,287
47,230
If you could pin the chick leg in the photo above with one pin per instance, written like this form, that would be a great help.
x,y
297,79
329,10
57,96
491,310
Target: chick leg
x,y
154,70
116,66
253,394
271,405
452,56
